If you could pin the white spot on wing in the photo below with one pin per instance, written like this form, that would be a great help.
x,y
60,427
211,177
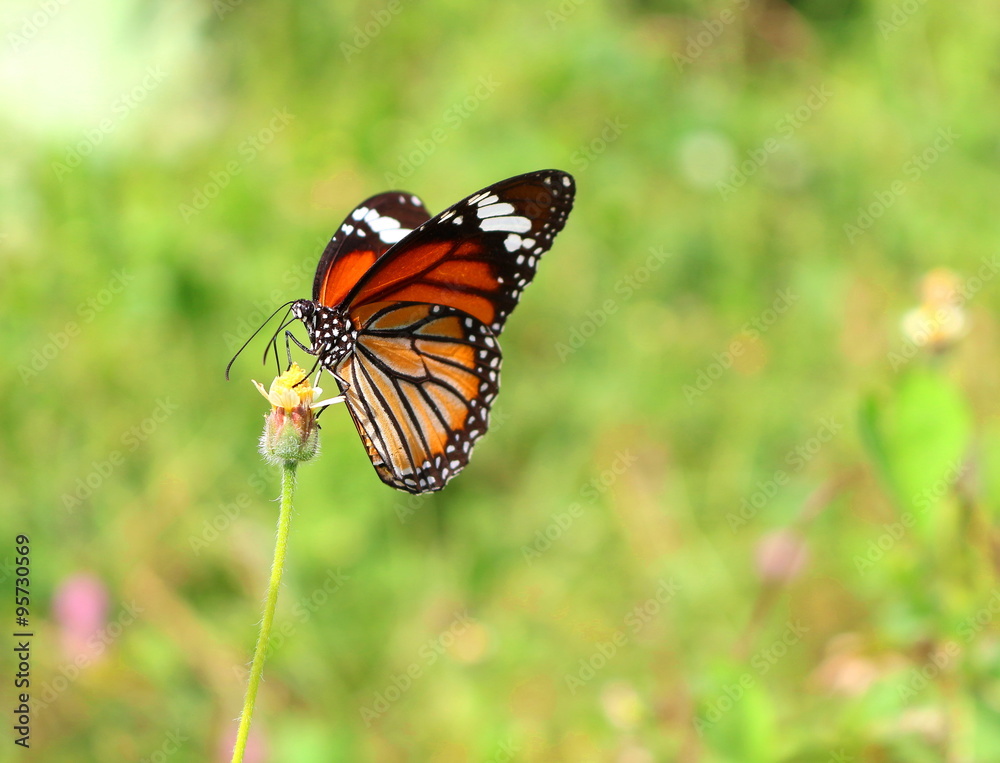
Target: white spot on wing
x,y
515,224
394,235
380,224
360,212
494,210
512,243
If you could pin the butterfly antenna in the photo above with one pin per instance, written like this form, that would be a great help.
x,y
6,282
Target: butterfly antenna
x,y
230,365
285,322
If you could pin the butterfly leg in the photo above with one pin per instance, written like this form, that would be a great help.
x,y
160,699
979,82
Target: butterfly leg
x,y
290,337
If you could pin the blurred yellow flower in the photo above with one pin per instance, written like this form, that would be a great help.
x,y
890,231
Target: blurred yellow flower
x,y
940,320
940,286
622,705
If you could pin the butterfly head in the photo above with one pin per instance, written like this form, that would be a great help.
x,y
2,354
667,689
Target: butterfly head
x,y
304,310
331,332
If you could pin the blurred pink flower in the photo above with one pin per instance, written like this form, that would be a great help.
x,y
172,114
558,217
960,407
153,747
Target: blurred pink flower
x,y
781,555
80,609
256,751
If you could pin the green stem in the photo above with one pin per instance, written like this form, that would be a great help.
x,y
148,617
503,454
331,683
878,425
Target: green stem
x,y
257,668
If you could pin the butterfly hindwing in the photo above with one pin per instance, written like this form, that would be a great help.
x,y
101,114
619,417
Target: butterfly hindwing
x,y
419,387
476,256
365,235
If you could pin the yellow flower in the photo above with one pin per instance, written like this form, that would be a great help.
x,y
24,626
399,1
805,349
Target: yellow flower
x,y
290,430
940,320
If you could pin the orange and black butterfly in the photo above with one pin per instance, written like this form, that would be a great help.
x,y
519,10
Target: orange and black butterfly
x,y
406,310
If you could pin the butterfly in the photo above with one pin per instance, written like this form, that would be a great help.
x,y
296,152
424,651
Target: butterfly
x,y
406,310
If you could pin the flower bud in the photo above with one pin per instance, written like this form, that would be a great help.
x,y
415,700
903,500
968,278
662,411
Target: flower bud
x,y
290,429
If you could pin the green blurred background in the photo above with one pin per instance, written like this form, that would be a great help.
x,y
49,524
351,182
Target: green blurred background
x,y
739,498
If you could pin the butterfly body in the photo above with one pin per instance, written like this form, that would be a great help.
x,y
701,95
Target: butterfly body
x,y
331,333
406,311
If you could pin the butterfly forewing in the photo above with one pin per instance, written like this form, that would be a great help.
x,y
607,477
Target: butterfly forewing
x,y
365,235
476,256
419,387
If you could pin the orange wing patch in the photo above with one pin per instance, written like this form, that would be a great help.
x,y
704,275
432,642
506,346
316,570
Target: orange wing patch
x,y
346,271
469,273
392,317
437,274
474,304
449,351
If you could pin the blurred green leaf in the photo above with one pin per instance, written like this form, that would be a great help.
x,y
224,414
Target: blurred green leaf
x,y
918,436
